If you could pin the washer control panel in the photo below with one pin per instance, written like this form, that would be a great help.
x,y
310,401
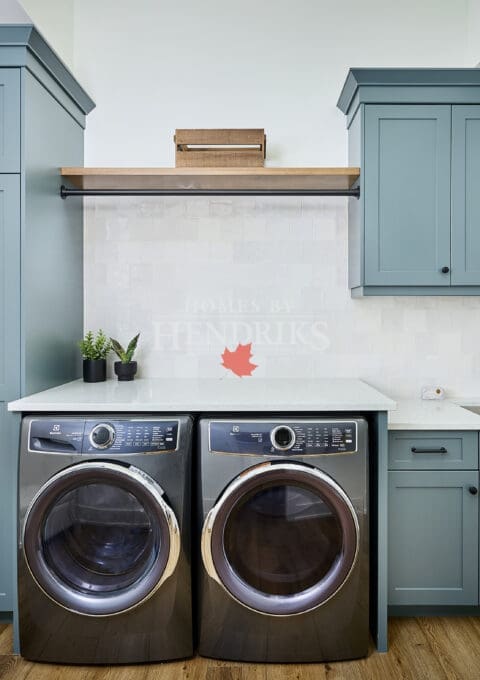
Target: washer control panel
x,y
130,436
283,438
106,436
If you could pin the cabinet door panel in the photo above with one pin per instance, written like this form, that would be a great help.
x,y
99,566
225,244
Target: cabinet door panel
x,y
465,198
9,120
9,286
433,538
407,195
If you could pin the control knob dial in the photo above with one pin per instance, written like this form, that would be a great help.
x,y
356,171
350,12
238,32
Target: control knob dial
x,y
102,436
282,437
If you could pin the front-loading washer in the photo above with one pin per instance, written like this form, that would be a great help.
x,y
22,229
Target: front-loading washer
x,y
104,572
283,510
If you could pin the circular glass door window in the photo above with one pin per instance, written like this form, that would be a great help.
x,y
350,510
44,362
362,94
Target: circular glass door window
x,y
283,540
99,538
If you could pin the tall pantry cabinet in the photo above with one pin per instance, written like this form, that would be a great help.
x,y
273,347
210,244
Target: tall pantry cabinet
x,y
42,121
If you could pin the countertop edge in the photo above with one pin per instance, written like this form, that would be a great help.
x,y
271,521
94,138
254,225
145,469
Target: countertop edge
x,y
441,415
24,406
432,427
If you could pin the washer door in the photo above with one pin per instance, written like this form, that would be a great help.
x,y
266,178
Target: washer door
x,y
99,538
282,539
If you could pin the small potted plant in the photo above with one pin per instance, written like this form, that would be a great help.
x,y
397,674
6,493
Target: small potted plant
x,y
94,349
125,369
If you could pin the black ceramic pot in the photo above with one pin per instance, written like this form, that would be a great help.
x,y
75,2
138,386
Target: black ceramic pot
x,y
94,370
125,371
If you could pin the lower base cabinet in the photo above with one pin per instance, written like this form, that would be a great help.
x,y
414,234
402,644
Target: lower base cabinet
x,y
433,538
433,532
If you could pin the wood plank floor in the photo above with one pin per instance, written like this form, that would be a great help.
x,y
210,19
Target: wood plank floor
x,y
420,649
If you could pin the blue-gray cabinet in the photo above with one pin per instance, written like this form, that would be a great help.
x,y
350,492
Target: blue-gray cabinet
x,y
465,195
407,181
433,519
415,134
426,450
9,120
42,121
10,222
7,514
433,538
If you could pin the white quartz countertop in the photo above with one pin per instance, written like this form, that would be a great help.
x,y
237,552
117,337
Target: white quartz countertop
x,y
201,395
416,414
249,395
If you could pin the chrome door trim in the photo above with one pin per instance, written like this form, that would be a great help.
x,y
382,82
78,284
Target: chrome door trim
x,y
147,484
256,473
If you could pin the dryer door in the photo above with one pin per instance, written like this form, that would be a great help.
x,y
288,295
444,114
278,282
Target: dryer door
x,y
99,538
282,539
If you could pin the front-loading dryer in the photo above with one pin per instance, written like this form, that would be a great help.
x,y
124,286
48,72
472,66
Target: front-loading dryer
x,y
284,569
104,539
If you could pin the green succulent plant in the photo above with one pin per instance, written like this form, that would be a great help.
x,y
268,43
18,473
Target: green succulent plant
x,y
125,355
95,347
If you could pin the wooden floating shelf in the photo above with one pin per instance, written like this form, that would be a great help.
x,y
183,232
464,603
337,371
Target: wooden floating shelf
x,y
223,180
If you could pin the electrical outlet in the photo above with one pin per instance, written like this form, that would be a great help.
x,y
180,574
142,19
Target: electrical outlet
x,y
433,392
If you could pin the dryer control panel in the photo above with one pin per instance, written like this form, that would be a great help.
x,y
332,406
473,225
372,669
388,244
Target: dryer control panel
x,y
103,436
283,438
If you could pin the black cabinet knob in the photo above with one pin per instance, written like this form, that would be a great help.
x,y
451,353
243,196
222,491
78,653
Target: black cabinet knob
x,y
473,490
445,270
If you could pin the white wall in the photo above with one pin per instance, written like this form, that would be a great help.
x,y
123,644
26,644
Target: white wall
x,y
276,64
11,12
54,19
195,275
473,32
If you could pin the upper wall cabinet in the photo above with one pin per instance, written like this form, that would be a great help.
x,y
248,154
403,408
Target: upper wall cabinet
x,y
415,133
465,195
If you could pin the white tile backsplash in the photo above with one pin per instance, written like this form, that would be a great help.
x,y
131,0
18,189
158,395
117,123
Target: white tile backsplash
x,y
196,275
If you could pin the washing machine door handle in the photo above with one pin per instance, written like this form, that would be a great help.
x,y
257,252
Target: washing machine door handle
x,y
258,478
206,545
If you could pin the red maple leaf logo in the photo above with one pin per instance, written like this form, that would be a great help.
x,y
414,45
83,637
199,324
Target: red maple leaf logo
x,y
238,361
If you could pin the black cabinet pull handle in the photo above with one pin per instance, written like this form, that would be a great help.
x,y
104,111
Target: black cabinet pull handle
x,y
445,270
442,449
473,490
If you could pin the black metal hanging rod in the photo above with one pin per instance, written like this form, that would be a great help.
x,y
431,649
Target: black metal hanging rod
x,y
66,192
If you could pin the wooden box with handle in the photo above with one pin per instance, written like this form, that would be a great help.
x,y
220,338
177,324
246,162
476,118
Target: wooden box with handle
x,y
228,148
